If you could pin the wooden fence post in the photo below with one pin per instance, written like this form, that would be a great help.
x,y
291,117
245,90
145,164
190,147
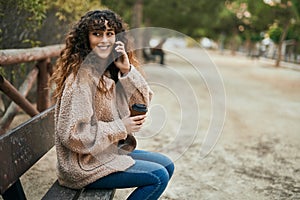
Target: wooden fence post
x,y
43,56
43,101
14,94
13,108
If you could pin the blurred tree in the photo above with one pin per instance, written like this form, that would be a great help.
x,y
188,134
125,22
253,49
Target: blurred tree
x,y
194,18
275,32
286,14
124,8
29,23
60,16
38,22
227,24
251,19
19,21
72,10
190,17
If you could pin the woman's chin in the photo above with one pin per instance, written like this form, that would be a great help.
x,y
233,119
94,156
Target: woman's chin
x,y
102,55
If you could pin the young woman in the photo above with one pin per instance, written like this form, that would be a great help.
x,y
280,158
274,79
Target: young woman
x,y
97,82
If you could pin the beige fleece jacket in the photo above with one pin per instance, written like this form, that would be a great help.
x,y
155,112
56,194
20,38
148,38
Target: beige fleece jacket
x,y
88,125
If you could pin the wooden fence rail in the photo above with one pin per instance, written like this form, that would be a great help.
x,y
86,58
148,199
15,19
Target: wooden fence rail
x,y
15,56
42,71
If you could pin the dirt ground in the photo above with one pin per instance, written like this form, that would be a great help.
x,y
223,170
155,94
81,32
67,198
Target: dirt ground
x,y
257,155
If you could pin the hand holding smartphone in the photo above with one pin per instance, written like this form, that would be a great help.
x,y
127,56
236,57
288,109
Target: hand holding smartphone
x,y
117,55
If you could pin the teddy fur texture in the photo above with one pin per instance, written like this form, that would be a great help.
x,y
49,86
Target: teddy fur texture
x,y
89,126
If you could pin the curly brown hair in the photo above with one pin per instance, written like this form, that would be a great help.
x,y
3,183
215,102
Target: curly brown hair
x,y
77,47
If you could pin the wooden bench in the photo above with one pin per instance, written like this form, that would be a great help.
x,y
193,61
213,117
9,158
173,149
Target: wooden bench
x,y
22,147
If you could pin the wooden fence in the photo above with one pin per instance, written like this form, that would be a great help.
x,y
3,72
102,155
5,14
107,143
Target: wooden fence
x,y
41,72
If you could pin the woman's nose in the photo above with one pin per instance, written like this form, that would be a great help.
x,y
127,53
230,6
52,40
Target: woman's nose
x,y
104,38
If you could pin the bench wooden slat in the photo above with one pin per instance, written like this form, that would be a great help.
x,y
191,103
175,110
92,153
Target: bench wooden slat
x,y
91,194
23,146
58,192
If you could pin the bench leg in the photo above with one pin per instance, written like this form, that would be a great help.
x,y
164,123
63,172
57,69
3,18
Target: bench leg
x,y
14,192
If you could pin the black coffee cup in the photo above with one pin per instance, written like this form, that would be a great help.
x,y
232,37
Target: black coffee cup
x,y
138,109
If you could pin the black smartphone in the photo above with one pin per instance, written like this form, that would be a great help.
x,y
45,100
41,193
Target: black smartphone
x,y
116,54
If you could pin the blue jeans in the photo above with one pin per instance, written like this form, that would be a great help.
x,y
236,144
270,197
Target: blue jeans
x,y
150,174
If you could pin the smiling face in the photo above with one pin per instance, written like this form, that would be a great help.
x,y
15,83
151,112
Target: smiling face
x,y
102,41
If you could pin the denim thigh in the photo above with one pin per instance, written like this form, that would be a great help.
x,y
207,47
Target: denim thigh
x,y
150,174
150,178
154,157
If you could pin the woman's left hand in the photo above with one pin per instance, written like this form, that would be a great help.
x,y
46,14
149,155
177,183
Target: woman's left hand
x,y
122,62
134,124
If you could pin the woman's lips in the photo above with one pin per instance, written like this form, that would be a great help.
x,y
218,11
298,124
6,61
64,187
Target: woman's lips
x,y
103,47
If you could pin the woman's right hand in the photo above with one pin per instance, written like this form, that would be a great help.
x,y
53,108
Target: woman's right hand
x,y
134,124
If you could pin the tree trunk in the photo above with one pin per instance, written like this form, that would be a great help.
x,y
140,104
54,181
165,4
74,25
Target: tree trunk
x,y
282,38
137,18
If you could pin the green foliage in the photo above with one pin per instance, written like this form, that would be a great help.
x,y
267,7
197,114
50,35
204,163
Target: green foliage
x,y
60,16
42,22
19,21
194,18
275,32
254,18
294,32
23,23
72,10
37,10
286,15
124,8
2,71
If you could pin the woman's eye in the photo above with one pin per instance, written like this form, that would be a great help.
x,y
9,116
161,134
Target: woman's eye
x,y
110,33
96,34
